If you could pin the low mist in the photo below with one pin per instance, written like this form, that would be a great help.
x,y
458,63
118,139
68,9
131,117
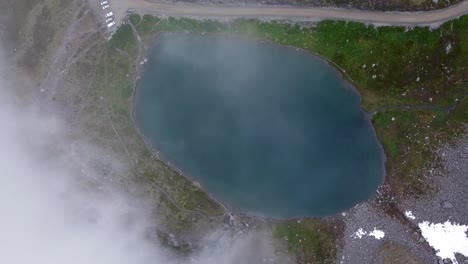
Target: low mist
x,y
57,207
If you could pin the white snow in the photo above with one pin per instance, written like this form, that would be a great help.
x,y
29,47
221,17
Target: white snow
x,y
410,215
377,234
360,233
446,238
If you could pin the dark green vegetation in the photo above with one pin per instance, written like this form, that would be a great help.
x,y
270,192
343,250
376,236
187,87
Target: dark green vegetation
x,y
410,141
403,5
400,56
124,41
310,240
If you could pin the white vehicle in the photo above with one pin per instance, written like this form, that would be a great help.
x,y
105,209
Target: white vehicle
x,y
105,7
111,24
104,3
109,19
110,14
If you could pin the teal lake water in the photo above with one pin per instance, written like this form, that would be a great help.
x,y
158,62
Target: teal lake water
x,y
267,130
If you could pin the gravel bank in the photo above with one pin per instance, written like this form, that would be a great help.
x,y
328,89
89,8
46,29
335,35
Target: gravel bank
x,y
448,203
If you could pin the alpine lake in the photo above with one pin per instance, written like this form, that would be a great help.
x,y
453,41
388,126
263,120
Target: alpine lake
x,y
266,130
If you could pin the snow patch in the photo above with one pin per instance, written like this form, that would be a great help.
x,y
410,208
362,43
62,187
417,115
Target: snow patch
x,y
410,215
360,233
446,238
377,234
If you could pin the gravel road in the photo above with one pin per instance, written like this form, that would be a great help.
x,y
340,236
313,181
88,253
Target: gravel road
x,y
287,12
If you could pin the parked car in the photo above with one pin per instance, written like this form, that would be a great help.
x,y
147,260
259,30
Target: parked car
x,y
111,24
104,3
110,14
130,11
105,7
109,19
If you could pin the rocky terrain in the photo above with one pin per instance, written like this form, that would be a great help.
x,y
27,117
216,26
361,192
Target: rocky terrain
x,y
402,243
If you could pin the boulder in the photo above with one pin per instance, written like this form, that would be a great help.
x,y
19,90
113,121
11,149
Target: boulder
x,y
447,204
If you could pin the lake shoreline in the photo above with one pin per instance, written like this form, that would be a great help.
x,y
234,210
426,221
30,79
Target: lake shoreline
x,y
343,77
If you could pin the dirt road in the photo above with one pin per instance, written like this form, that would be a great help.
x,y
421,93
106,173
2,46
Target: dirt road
x,y
282,12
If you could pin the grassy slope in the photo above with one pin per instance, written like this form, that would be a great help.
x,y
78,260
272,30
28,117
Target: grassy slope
x,y
114,79
400,56
312,241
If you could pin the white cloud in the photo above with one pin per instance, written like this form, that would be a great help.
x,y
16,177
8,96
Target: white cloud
x,y
51,211
48,214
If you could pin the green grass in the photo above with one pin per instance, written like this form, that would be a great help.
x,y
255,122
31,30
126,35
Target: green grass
x,y
117,78
312,241
384,119
410,141
461,112
124,40
135,19
147,24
